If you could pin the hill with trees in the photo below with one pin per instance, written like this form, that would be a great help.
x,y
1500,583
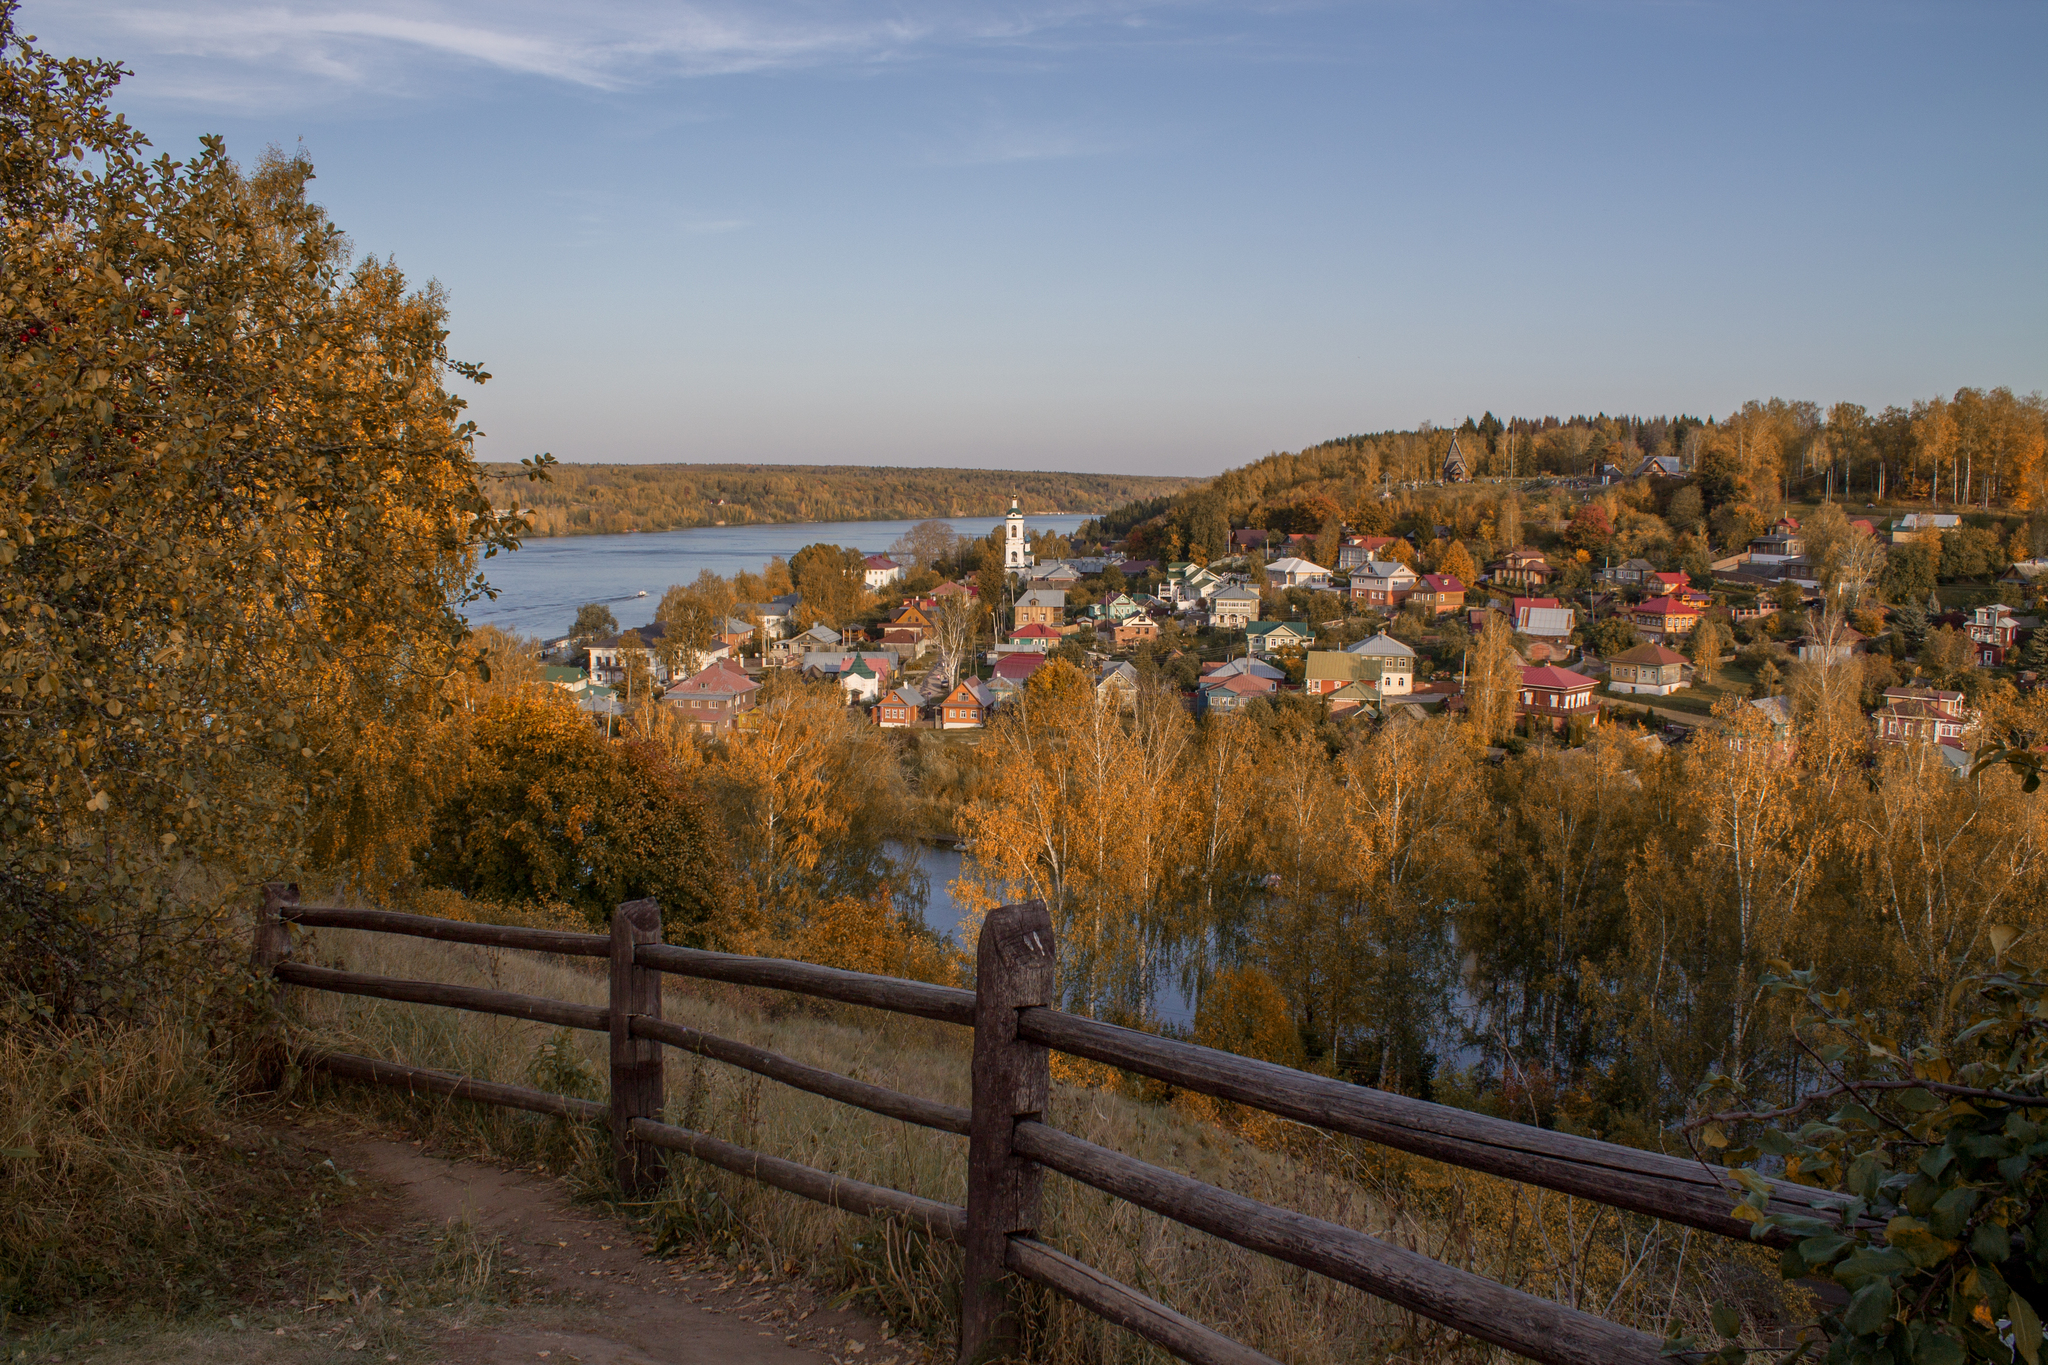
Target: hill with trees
x,y
1990,444
594,499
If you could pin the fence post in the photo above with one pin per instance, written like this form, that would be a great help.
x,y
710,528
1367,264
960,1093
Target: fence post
x,y
1013,965
272,941
270,945
636,1090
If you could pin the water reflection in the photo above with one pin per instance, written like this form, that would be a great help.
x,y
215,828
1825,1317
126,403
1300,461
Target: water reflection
x,y
940,864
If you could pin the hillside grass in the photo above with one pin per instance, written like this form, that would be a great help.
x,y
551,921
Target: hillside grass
x,y
1627,1268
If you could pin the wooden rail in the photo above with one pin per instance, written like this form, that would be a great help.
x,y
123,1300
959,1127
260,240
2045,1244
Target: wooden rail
x,y
1010,1147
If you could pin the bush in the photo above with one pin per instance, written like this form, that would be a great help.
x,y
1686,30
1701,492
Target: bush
x,y
1943,1146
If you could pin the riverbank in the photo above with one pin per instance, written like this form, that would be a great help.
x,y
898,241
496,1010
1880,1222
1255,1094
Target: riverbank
x,y
541,584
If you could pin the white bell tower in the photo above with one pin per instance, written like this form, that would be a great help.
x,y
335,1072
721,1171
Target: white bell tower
x,y
1016,554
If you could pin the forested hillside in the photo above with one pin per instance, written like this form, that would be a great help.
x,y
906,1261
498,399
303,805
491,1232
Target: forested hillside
x,y
1989,443
599,498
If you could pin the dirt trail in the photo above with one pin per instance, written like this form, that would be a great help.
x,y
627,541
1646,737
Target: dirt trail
x,y
605,1300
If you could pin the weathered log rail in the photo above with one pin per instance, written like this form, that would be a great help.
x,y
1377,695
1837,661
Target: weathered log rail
x,y
1010,1146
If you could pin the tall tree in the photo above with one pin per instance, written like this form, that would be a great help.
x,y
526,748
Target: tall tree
x,y
239,519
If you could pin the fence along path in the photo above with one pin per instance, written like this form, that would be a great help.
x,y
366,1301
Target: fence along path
x,y
1010,1147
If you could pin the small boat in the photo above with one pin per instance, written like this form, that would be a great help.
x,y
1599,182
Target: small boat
x,y
641,593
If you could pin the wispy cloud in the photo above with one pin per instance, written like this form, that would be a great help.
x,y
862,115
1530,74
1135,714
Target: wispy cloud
x,y
255,54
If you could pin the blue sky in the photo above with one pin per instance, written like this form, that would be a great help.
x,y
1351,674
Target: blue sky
x,y
1144,237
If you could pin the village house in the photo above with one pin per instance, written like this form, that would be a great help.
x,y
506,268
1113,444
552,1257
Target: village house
x,y
1135,630
1776,547
1665,619
860,682
879,571
1118,682
1815,647
1669,584
1011,672
1121,607
1219,693
1922,715
1270,637
913,616
1395,666
1632,574
1057,574
1558,696
900,708
1658,467
1347,699
776,615
1297,573
789,652
1994,630
1439,593
1522,568
1042,607
1647,668
967,706
1034,639
1244,663
1382,585
826,666
1250,540
715,698
1353,551
1233,608
1923,526
1188,584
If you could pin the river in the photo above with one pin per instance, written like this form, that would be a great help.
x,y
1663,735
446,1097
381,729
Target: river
x,y
541,584
940,864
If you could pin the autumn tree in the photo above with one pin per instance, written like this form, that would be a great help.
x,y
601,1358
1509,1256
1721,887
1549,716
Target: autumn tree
x,y
1709,641
239,518
1456,561
594,620
1493,684
545,812
808,798
829,579
925,544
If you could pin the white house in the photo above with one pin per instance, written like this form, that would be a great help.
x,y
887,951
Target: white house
x,y
1297,573
1233,608
880,571
1397,663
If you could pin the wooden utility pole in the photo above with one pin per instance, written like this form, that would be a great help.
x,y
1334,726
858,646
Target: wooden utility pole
x,y
1013,967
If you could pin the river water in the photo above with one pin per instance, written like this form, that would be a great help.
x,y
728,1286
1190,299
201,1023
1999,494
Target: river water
x,y
941,866
541,584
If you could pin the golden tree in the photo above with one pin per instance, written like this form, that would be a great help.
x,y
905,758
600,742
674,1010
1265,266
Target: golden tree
x,y
239,514
1493,682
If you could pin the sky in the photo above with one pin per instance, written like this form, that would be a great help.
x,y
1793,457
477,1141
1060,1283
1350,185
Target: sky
x,y
1143,237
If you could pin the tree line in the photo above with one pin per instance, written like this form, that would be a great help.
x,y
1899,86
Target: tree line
x,y
593,499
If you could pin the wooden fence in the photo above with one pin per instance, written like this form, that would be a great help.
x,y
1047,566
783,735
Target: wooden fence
x,y
1010,1147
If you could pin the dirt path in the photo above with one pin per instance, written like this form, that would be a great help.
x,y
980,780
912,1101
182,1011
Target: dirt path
x,y
595,1295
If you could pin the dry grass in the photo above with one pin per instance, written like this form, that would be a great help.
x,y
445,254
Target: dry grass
x,y
109,1159
1630,1269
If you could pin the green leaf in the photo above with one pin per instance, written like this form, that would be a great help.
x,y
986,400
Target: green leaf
x,y
1727,1321
1819,1251
1870,1308
1951,1213
1919,1101
1990,1242
1936,1348
2026,1328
